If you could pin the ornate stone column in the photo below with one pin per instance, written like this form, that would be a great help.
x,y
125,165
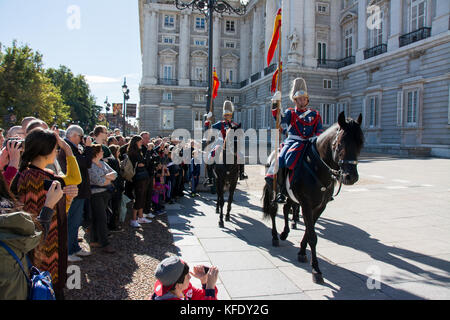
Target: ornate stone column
x,y
362,30
310,34
256,34
151,45
244,51
184,45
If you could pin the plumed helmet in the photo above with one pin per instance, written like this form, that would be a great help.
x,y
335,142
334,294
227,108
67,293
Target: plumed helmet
x,y
228,107
299,89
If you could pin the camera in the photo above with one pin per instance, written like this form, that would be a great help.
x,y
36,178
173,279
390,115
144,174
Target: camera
x,y
16,139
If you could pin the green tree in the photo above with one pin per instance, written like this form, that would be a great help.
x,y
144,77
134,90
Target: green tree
x,y
24,86
77,95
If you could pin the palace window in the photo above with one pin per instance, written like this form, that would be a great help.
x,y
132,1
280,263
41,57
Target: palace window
x,y
373,111
322,51
197,119
168,40
230,26
169,21
167,72
418,14
167,119
348,42
412,107
200,23
326,112
327,84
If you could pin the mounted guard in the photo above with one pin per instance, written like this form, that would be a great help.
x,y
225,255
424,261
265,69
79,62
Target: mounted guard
x,y
300,124
223,126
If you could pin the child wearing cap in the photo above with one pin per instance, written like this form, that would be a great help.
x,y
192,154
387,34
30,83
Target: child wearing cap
x,y
173,281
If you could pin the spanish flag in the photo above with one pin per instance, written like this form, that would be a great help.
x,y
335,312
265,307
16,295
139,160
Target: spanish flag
x,y
273,87
216,84
275,37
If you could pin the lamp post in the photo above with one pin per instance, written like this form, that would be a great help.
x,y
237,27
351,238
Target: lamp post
x,y
107,108
126,96
208,7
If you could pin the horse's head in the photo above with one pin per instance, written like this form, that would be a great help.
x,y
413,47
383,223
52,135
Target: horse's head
x,y
347,146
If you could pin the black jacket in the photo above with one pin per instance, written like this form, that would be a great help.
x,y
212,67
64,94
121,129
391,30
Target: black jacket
x,y
84,163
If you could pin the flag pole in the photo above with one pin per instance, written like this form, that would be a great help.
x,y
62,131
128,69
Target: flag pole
x,y
278,135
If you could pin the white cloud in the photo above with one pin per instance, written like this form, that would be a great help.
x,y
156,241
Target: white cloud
x,y
101,79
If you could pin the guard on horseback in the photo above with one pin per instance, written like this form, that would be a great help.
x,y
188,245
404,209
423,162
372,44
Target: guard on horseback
x,y
223,126
300,124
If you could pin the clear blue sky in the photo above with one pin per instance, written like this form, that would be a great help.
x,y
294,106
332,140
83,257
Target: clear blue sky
x,y
105,48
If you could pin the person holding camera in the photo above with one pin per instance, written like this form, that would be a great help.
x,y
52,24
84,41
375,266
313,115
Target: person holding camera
x,y
82,150
173,281
30,188
10,159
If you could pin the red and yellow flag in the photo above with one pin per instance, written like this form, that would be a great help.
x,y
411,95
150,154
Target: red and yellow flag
x,y
273,87
216,84
275,37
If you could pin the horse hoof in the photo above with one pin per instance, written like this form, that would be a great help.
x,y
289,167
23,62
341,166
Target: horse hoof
x,y
294,226
317,278
284,236
275,243
221,224
302,258
227,218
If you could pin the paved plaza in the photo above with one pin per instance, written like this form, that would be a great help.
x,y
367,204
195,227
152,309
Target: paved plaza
x,y
393,225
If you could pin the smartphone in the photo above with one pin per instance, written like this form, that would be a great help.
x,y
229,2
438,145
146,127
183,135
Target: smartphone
x,y
47,184
206,269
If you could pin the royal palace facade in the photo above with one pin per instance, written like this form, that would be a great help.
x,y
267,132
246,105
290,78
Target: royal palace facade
x,y
386,59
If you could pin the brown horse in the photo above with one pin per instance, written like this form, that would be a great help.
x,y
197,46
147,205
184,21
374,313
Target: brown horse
x,y
332,157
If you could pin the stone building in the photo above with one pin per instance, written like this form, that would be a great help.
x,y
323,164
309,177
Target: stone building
x,y
386,59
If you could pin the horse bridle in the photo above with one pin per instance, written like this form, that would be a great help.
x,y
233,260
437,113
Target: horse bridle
x,y
341,162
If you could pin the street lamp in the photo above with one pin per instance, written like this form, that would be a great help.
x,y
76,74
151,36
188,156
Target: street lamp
x,y
208,7
126,96
107,108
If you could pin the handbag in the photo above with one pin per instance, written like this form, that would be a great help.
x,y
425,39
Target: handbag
x,y
39,283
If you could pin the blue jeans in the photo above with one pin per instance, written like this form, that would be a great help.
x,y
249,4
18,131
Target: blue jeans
x,y
74,219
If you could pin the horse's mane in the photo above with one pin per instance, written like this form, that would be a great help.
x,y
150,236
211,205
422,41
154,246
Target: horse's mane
x,y
353,129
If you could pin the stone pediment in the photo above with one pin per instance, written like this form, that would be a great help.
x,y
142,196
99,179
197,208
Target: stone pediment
x,y
199,53
348,16
230,55
168,52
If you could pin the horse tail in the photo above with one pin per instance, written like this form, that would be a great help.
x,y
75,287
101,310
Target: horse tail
x,y
270,207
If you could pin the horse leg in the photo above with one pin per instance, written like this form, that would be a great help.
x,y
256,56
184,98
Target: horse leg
x,y
295,216
308,217
286,208
275,241
230,198
301,256
220,203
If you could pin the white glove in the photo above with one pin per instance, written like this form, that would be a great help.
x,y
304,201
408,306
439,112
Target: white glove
x,y
276,97
209,115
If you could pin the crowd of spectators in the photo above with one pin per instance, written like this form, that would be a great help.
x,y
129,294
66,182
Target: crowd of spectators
x,y
64,179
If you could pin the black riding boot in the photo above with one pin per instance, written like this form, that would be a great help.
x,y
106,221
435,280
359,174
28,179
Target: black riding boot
x,y
281,181
242,175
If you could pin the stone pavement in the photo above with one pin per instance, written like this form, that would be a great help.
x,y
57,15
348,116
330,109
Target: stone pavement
x,y
392,226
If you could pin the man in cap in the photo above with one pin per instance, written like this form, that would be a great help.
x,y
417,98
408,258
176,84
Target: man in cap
x,y
173,281
223,126
300,124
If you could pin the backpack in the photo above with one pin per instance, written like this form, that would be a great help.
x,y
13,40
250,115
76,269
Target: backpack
x,y
39,283
127,171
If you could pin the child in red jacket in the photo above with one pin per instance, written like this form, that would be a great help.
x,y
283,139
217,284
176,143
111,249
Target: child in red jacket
x,y
173,281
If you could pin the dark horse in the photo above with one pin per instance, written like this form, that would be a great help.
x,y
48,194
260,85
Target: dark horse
x,y
332,157
227,175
